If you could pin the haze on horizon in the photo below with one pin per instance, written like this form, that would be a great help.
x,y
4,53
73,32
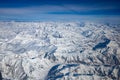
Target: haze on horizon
x,y
60,10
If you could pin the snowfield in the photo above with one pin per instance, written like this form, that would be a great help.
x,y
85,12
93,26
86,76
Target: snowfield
x,y
59,51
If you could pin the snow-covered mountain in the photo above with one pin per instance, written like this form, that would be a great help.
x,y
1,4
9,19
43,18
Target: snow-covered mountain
x,y
59,51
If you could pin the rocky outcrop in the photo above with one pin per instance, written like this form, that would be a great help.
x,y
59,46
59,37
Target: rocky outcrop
x,y
0,76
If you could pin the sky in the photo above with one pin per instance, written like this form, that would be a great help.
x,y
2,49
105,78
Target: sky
x,y
60,10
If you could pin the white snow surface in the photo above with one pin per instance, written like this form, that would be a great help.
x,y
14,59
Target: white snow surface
x,y
59,51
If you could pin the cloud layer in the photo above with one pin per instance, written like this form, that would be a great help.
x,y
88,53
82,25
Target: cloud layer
x,y
57,9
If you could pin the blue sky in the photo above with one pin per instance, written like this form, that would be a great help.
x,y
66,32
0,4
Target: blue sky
x,y
60,10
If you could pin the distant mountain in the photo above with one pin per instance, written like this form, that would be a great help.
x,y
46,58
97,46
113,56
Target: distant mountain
x,y
59,51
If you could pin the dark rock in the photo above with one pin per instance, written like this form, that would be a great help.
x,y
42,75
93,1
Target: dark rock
x,y
0,76
102,44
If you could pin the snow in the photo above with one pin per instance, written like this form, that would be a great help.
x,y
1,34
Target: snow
x,y
59,51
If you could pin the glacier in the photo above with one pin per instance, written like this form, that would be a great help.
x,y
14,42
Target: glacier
x,y
59,51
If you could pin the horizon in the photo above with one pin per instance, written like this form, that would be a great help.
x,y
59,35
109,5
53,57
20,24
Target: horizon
x,y
57,10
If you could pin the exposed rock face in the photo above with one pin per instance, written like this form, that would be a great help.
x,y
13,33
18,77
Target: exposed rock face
x,y
59,51
0,76
83,72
